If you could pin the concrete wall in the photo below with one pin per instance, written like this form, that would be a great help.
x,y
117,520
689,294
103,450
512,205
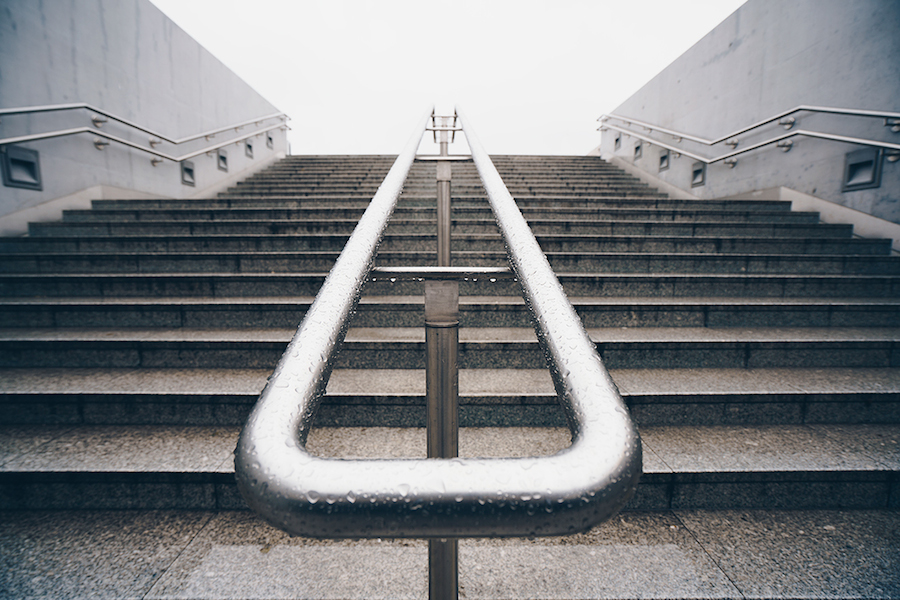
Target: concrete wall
x,y
128,58
768,57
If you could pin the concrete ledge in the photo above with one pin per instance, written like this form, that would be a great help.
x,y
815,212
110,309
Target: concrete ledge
x,y
16,224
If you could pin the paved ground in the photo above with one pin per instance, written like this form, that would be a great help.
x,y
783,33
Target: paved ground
x,y
687,554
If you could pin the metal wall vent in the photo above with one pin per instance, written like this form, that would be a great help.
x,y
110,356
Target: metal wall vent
x,y
187,173
21,168
698,174
222,160
862,170
664,160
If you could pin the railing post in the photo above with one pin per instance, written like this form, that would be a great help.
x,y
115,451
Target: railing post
x,y
442,379
443,202
441,370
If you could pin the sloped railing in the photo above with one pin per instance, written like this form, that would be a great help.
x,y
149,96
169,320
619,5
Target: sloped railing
x,y
101,116
783,140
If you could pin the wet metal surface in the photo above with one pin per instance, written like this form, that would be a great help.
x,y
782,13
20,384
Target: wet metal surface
x,y
564,493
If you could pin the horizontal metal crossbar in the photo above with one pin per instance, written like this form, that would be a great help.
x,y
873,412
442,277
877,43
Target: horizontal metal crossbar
x,y
438,157
458,273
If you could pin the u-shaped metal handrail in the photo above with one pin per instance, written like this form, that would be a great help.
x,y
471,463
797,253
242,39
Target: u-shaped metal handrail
x,y
459,497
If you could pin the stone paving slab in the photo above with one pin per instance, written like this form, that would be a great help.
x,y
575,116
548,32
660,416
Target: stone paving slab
x,y
90,554
233,555
599,564
803,554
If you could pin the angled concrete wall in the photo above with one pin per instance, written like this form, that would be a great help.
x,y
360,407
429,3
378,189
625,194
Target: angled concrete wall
x,y
128,58
768,57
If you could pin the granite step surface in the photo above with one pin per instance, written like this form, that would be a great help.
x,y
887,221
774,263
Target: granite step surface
x,y
798,467
397,347
313,260
607,200
482,211
427,240
461,225
488,397
475,311
677,285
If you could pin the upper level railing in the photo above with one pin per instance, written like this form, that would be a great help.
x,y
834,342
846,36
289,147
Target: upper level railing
x,y
444,498
891,119
101,116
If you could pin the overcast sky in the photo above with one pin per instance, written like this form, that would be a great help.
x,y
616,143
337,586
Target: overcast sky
x,y
533,76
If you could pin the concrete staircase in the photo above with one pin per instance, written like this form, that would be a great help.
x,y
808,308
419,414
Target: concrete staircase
x,y
757,348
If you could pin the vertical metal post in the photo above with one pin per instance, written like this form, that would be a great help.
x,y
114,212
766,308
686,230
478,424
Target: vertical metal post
x,y
442,397
442,380
441,370
443,203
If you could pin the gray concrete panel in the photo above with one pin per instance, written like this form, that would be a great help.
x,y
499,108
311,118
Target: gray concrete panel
x,y
766,58
127,58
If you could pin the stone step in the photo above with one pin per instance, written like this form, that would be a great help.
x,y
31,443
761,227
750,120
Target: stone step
x,y
480,348
488,397
231,554
316,182
251,201
481,212
460,225
475,311
473,192
229,285
427,241
798,467
474,189
305,261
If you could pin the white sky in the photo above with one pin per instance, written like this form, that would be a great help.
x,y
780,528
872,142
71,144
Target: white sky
x,y
532,76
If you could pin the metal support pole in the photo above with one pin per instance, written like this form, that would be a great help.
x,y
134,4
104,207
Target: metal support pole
x,y
445,122
442,380
443,213
443,570
443,204
442,398
441,371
